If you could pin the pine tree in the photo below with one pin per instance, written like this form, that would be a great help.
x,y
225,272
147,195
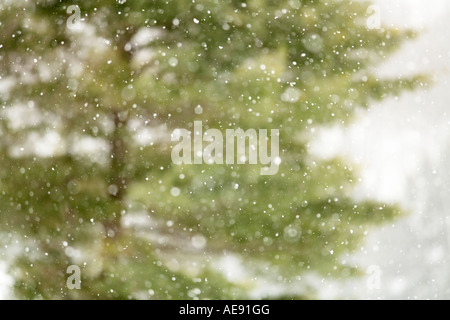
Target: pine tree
x,y
133,72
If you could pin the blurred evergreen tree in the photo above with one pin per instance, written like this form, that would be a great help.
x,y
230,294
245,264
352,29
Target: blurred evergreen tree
x,y
137,67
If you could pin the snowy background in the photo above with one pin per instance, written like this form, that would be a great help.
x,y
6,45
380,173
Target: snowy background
x,y
401,148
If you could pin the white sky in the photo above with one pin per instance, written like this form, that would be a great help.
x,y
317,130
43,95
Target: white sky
x,y
402,148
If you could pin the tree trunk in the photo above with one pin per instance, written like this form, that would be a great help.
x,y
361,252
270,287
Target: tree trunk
x,y
117,179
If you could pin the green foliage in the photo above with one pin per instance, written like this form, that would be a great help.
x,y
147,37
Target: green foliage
x,y
287,65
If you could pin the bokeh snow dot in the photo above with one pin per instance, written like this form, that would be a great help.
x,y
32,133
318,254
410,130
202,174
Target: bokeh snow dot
x,y
175,191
